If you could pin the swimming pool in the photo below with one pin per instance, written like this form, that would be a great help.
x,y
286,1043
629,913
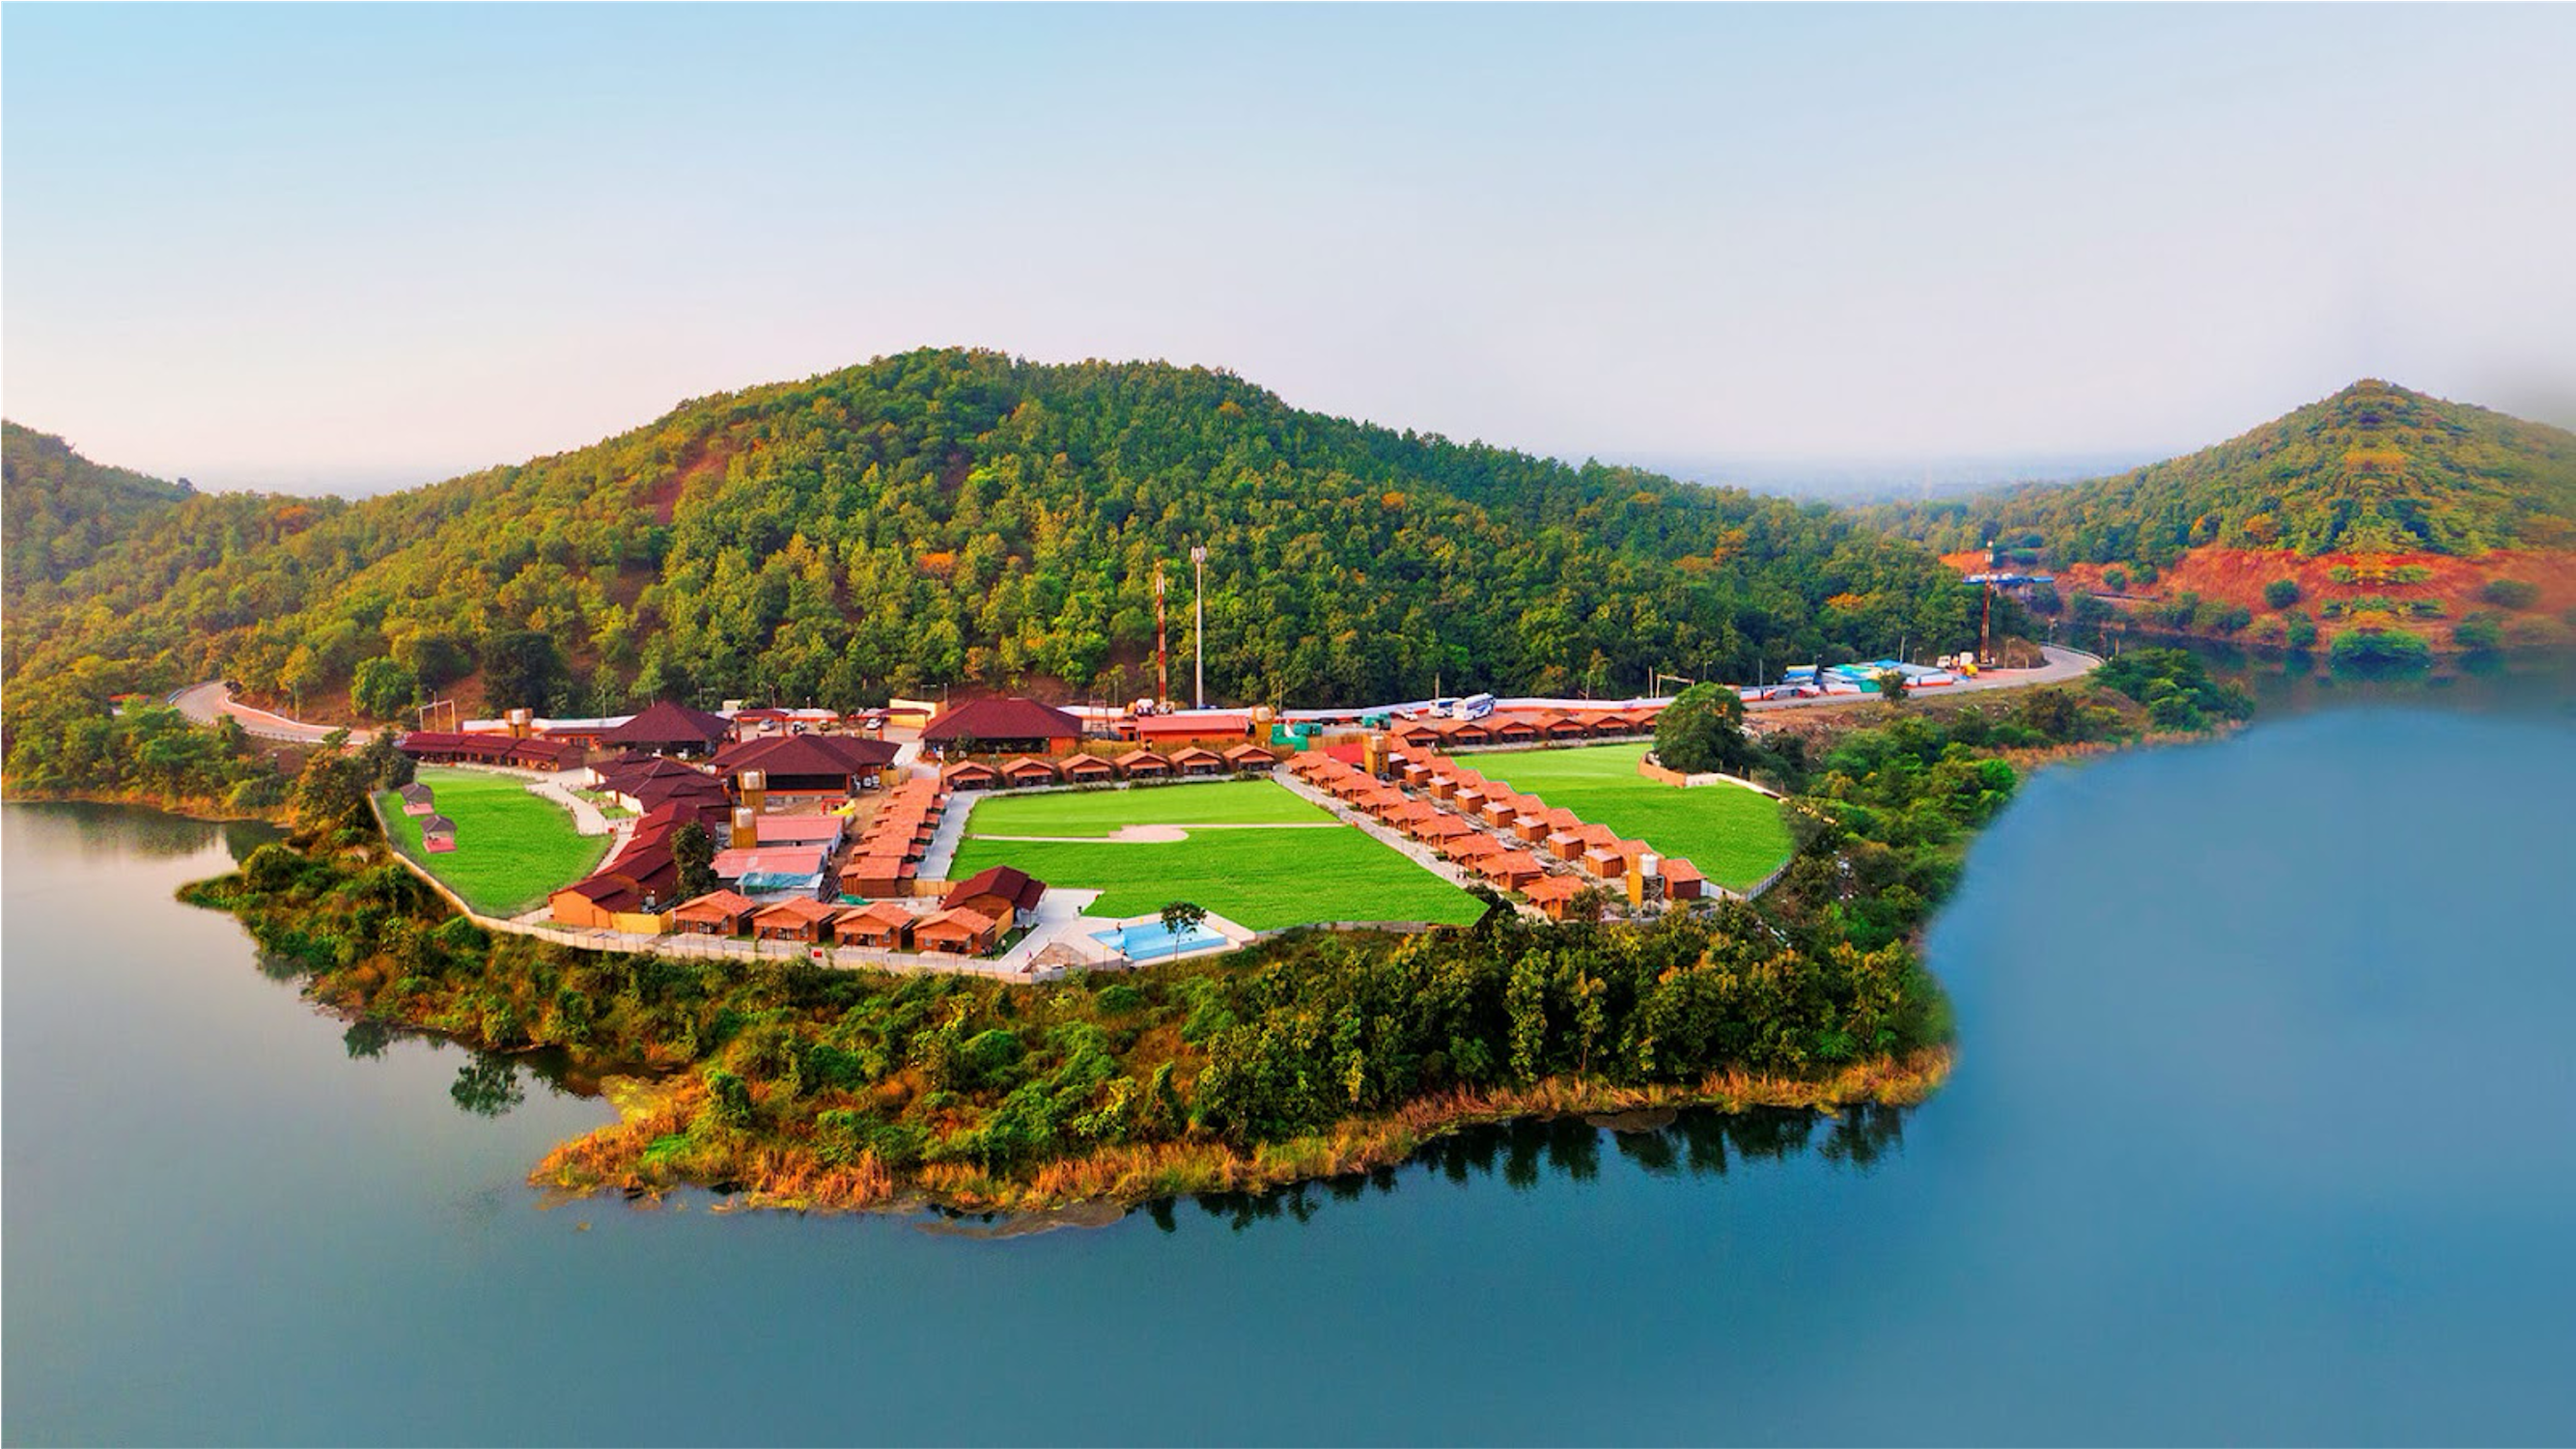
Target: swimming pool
x,y
1148,939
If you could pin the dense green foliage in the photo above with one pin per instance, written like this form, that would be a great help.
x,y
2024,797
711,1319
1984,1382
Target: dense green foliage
x,y
2175,687
961,518
1289,1037
64,738
2373,469
59,511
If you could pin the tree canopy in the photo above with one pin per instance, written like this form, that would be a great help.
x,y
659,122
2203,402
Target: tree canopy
x,y
965,518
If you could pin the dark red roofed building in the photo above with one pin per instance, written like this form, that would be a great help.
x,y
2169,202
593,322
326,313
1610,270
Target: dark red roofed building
x,y
808,768
672,728
1001,892
1004,726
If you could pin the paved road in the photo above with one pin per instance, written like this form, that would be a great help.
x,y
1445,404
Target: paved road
x,y
207,702
2062,665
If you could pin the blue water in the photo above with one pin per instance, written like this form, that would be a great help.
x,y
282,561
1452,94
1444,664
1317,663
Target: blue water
x,y
2260,1133
1150,939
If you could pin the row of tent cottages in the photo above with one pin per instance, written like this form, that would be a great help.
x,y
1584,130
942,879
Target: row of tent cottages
x,y
1028,771
972,917
1516,842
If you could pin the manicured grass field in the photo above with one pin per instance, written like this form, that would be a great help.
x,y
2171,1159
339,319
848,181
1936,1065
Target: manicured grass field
x,y
512,849
1735,836
1262,879
1100,812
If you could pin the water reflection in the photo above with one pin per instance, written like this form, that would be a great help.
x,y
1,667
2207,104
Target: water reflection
x,y
1696,1142
487,1086
114,834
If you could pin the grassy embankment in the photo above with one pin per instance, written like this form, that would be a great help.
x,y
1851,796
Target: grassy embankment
x,y
1734,836
512,848
1259,878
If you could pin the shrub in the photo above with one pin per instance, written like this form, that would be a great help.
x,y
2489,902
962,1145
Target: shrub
x,y
2117,578
2481,630
2232,619
2510,593
2281,593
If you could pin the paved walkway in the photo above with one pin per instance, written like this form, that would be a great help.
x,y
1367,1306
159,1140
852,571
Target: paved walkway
x,y
587,818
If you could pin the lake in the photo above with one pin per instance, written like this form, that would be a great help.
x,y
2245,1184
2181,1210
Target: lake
x,y
2260,1132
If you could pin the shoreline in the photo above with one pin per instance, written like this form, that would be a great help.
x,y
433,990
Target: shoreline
x,y
610,1159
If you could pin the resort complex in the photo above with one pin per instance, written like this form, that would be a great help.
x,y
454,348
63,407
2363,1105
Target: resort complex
x,y
1009,837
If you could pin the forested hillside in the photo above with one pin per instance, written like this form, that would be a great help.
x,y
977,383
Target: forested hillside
x,y
2374,469
59,509
964,519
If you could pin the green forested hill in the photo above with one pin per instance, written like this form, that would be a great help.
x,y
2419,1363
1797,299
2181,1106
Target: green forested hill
x,y
2373,469
961,518
59,509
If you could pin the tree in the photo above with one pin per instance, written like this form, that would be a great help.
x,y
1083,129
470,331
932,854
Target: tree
x,y
694,852
521,669
383,765
332,790
1891,685
2510,593
1181,917
2281,593
1703,730
383,689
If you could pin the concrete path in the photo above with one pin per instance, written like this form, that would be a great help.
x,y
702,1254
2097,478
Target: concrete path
x,y
2063,664
587,818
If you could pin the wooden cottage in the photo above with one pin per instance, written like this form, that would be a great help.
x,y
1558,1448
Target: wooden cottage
x,y
437,834
1144,765
1512,729
879,926
961,932
875,877
801,919
1023,771
1510,870
1088,770
1555,896
1198,760
717,913
1007,895
969,775
1250,758
1471,846
1682,880
416,799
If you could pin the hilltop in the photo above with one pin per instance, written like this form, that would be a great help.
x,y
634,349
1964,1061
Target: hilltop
x,y
2378,504
966,519
59,509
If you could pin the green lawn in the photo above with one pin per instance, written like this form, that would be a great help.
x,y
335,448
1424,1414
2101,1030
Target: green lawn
x,y
1262,879
1100,812
1734,836
512,849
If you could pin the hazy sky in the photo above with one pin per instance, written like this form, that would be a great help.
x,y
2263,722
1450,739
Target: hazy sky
x,y
344,245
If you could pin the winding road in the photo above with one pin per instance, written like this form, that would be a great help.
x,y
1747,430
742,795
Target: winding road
x,y
205,703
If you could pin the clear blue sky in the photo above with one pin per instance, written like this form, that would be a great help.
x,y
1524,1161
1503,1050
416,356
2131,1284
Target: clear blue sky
x,y
341,245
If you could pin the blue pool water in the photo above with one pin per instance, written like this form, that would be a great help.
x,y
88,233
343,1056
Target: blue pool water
x,y
1149,940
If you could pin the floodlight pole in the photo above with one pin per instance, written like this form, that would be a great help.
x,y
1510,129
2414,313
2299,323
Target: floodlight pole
x,y
1198,646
